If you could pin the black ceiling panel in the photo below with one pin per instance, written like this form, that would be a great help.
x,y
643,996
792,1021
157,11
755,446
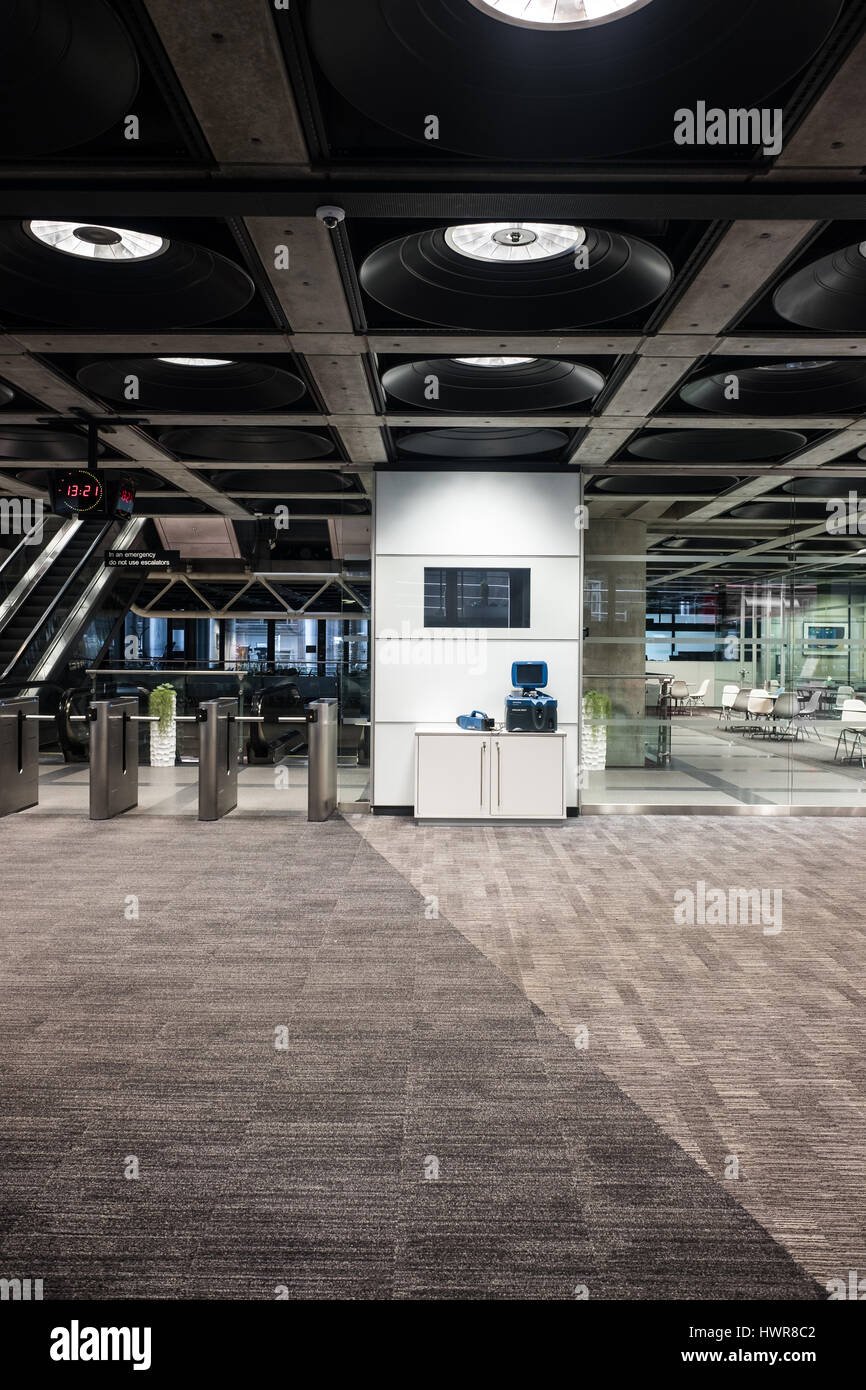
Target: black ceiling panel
x,y
482,443
514,388
802,387
521,94
246,443
229,387
715,446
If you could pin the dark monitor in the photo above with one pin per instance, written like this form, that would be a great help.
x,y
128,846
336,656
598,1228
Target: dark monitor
x,y
529,675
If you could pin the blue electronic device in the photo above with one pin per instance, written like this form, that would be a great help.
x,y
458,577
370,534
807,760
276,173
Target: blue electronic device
x,y
476,720
527,709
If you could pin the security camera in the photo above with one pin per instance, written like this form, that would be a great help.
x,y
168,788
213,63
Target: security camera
x,y
332,217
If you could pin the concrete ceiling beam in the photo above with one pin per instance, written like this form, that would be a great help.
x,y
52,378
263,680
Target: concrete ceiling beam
x,y
309,288
227,56
832,137
748,255
342,383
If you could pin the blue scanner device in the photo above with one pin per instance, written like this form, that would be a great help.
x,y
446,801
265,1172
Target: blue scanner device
x,y
528,709
476,720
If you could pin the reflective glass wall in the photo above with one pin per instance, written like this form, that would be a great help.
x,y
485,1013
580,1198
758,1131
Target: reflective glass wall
x,y
724,666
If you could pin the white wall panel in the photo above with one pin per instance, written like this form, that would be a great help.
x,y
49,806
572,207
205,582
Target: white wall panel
x,y
428,682
429,676
477,514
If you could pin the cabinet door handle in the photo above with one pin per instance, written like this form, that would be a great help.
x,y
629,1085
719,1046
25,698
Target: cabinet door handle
x,y
481,788
498,775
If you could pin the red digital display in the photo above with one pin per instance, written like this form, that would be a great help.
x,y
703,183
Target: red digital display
x,y
76,492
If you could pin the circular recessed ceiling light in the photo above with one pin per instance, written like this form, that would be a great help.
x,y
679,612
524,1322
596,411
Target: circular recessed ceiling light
x,y
557,14
97,243
794,366
514,241
494,361
197,361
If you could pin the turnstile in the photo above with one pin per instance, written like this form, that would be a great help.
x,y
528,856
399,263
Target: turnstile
x,y
217,758
322,728
19,755
113,756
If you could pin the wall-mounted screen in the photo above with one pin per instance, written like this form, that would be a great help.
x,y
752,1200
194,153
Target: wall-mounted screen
x,y
828,639
476,597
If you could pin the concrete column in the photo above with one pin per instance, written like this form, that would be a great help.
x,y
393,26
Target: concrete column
x,y
615,609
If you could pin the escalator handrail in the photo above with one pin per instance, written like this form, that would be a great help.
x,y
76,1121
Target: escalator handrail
x,y
25,540
103,532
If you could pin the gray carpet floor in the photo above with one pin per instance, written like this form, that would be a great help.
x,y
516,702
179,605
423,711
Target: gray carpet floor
x,y
311,1169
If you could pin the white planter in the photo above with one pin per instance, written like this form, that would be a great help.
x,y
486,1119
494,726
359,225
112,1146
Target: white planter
x,y
163,745
593,754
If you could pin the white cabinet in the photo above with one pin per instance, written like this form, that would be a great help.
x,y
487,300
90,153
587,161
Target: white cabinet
x,y
527,776
452,776
481,776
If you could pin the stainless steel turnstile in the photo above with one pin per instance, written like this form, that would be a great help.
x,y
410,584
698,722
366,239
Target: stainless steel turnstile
x,y
19,755
113,756
322,726
217,758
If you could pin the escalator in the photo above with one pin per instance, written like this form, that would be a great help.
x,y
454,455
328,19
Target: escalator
x,y
44,610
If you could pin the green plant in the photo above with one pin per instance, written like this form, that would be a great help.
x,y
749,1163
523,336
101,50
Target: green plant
x,y
162,704
596,706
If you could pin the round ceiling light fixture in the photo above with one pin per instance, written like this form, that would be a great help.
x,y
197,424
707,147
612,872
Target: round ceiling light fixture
x,y
716,446
245,444
824,487
795,388
523,87
561,15
779,509
33,442
514,241
424,276
493,361
124,280
187,384
675,485
197,361
6,394
502,386
97,243
482,444
68,73
829,294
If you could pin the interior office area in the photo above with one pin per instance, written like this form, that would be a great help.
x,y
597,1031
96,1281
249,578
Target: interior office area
x,y
433,657
728,667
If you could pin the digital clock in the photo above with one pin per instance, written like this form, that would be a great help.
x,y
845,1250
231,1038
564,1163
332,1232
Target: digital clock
x,y
76,493
121,497
79,493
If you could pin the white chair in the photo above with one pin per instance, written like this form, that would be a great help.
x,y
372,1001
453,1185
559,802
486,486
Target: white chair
x,y
760,707
679,694
809,713
843,693
729,695
853,727
740,706
697,697
786,716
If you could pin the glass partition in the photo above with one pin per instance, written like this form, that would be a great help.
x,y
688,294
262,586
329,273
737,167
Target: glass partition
x,y
725,664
